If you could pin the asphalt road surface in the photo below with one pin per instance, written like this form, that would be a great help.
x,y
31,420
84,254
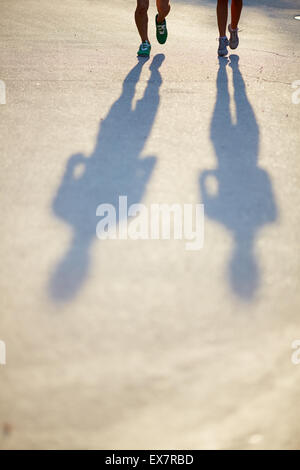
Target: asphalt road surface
x,y
129,344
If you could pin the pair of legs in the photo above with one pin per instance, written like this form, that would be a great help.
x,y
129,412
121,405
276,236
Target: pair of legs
x,y
222,14
141,15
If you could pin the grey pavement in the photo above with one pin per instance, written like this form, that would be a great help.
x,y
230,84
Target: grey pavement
x,y
129,344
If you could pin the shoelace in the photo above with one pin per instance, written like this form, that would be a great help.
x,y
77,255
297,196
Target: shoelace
x,y
161,28
145,45
224,41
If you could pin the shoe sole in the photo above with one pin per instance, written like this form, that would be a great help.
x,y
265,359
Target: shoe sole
x,y
233,47
164,41
143,54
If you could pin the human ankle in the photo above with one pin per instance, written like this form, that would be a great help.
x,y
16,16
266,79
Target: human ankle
x,y
160,19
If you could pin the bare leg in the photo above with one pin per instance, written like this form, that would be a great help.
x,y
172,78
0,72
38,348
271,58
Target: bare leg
x,y
236,10
163,8
141,19
222,15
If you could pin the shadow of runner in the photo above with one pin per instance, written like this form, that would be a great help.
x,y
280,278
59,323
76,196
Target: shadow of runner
x,y
115,168
244,199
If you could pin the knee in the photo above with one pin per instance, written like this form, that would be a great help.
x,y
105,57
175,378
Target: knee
x,y
142,7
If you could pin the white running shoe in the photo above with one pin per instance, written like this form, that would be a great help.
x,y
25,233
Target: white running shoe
x,y
234,37
223,43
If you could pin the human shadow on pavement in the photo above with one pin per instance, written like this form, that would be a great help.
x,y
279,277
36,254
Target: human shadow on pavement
x,y
115,168
241,198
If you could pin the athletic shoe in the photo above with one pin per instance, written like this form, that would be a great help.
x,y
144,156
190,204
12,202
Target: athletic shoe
x,y
234,37
145,49
161,31
223,43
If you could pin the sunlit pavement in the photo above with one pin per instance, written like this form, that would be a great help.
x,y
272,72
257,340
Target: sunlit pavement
x,y
142,344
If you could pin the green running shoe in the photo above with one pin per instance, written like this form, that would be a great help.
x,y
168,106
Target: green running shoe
x,y
145,49
161,31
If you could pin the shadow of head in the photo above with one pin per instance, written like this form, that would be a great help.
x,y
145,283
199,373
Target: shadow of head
x,y
244,273
70,272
